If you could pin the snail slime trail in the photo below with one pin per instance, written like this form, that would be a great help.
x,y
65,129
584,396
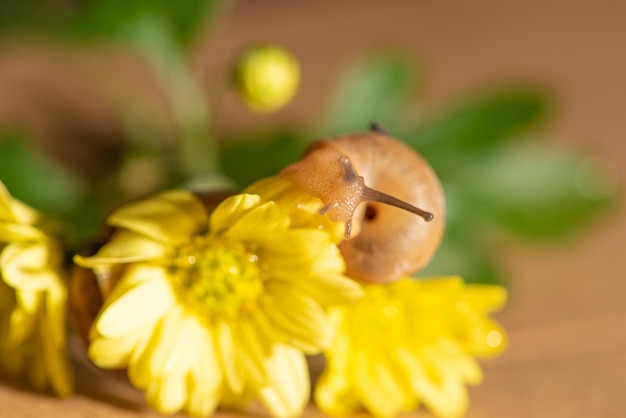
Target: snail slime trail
x,y
387,241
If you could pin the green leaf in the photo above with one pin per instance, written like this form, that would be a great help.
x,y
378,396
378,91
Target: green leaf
x,y
537,192
96,19
114,18
247,161
35,179
373,90
479,124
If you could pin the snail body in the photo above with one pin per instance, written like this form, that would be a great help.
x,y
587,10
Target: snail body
x,y
385,243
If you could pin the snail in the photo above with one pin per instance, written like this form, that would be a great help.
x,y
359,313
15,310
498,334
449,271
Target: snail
x,y
382,242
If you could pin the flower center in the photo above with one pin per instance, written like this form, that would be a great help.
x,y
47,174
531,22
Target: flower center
x,y
217,280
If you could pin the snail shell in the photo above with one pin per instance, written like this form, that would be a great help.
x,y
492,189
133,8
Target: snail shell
x,y
387,241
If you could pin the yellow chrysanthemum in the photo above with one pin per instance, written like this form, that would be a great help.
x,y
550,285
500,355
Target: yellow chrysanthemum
x,y
32,300
218,308
409,342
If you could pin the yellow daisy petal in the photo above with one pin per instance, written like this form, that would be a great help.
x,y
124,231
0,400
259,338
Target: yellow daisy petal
x,y
380,390
156,353
303,209
57,369
330,289
485,298
202,402
287,394
6,212
444,394
271,188
302,247
442,391
14,232
258,223
135,275
170,217
176,385
169,394
23,318
297,316
25,266
205,375
227,342
12,210
486,339
258,349
55,300
231,210
335,395
432,292
125,247
115,353
127,313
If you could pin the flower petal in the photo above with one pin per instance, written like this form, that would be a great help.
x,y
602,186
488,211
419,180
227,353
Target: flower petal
x,y
205,375
115,353
303,208
288,391
485,337
259,223
229,346
168,395
379,387
57,368
13,210
170,217
173,387
139,306
28,266
55,304
14,232
132,276
256,349
334,392
231,210
155,356
448,399
23,318
270,188
330,289
485,298
297,252
299,318
124,247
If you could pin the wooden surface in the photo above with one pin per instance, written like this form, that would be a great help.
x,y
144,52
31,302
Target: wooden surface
x,y
567,313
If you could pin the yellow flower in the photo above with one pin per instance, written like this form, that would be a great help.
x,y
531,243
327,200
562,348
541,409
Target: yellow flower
x,y
219,308
266,77
409,342
32,300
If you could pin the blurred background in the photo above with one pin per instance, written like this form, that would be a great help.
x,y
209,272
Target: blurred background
x,y
517,105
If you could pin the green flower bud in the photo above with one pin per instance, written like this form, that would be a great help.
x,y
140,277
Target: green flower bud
x,y
266,77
